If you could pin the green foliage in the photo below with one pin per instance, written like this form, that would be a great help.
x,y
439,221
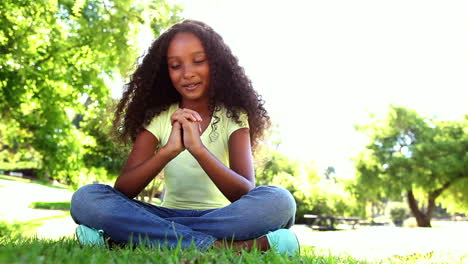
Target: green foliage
x,y
414,156
18,165
269,164
104,152
327,198
313,194
55,56
15,151
455,199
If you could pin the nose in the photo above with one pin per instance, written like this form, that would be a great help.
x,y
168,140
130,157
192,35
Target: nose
x,y
188,72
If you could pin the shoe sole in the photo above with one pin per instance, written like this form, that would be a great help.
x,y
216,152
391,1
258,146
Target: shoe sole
x,y
77,237
298,244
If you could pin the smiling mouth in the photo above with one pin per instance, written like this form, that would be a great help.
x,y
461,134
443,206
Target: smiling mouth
x,y
191,86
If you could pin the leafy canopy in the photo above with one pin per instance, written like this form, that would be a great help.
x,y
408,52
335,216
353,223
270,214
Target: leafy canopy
x,y
54,57
411,153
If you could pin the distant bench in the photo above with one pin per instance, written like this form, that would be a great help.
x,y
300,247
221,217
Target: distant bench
x,y
16,174
324,223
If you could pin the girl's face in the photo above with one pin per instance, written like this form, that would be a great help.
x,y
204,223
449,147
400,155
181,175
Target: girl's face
x,y
188,66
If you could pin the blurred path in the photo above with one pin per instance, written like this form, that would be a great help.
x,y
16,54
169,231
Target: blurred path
x,y
16,196
381,242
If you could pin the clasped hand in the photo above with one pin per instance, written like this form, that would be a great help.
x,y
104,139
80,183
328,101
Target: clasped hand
x,y
186,131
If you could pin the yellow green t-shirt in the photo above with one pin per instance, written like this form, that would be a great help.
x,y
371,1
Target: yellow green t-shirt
x,y
187,186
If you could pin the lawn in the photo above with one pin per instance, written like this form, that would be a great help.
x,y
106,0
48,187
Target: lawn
x,y
68,251
34,209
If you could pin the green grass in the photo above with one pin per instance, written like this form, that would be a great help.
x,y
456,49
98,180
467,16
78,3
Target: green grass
x,y
66,250
14,229
15,247
39,182
51,205
28,249
12,178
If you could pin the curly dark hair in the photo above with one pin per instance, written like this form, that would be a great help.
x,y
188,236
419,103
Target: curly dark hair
x,y
150,90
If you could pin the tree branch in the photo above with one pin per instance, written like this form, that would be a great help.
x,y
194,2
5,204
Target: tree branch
x,y
437,192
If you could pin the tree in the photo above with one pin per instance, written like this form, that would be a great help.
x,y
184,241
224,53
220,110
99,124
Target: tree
x,y
413,156
328,172
313,194
269,164
54,56
103,152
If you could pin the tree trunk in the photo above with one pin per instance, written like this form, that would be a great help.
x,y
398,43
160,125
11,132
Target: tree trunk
x,y
422,219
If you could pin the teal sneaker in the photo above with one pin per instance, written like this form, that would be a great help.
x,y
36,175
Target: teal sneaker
x,y
90,237
283,241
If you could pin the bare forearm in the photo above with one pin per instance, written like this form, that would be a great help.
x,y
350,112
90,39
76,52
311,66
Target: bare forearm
x,y
230,183
133,180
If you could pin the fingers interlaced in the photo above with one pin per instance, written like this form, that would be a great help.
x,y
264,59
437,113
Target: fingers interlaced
x,y
195,114
187,114
187,124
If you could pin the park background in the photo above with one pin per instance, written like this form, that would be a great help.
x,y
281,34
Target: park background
x,y
367,99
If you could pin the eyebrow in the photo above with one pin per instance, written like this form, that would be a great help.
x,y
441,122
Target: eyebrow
x,y
194,53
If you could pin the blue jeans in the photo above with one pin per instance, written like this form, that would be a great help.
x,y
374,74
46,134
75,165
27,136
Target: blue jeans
x,y
263,209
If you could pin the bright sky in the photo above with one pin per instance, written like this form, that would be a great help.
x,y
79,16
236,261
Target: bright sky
x,y
322,66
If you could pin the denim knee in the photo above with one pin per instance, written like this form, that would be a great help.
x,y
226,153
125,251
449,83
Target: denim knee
x,y
84,202
85,194
274,206
279,201
263,209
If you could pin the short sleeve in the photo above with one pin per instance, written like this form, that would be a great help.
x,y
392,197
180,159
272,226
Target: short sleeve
x,y
233,125
155,128
160,126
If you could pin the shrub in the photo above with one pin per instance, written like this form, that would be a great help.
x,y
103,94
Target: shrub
x,y
398,213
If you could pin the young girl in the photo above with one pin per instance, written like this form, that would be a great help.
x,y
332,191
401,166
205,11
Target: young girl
x,y
191,110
